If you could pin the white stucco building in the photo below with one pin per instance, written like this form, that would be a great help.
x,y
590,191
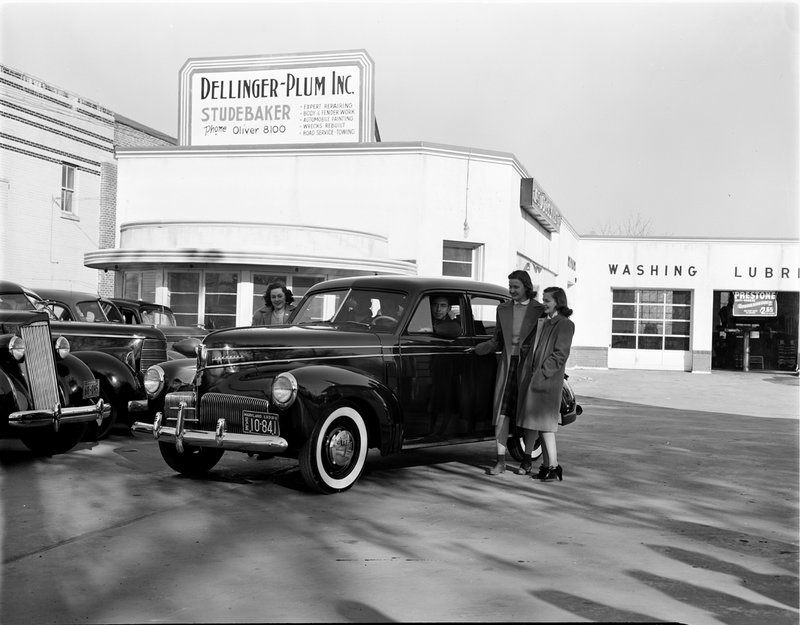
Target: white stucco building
x,y
278,173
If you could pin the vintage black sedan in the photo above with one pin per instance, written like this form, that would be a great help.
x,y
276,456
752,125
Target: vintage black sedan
x,y
367,362
117,354
47,395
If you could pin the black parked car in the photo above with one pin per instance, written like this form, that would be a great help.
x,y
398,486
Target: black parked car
x,y
117,354
363,366
182,341
67,305
47,395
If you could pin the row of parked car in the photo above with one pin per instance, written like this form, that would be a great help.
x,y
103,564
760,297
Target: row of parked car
x,y
360,365
105,347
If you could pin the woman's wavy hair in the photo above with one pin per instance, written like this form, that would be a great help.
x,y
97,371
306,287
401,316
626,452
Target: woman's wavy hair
x,y
277,285
560,298
525,278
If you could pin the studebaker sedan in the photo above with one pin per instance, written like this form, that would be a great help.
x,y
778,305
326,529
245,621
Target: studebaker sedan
x,y
368,362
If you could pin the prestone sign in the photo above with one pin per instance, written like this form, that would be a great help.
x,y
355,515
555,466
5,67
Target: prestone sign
x,y
272,100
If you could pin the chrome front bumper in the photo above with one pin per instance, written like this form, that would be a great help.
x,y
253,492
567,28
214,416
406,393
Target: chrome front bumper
x,y
220,438
57,415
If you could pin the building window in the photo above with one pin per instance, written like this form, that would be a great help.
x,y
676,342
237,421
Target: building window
x,y
220,299
462,260
651,319
67,188
184,293
139,285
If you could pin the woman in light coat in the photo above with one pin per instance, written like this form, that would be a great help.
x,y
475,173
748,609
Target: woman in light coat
x,y
513,336
544,380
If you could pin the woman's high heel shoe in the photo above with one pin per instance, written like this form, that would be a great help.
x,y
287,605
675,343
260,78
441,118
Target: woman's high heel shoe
x,y
553,473
543,470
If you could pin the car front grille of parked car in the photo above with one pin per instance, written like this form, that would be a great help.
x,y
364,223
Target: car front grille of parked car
x,y
40,365
154,351
214,406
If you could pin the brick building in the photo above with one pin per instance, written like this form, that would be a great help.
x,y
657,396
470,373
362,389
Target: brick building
x,y
58,175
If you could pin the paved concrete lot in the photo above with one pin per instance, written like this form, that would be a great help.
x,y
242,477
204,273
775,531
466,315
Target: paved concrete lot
x,y
679,503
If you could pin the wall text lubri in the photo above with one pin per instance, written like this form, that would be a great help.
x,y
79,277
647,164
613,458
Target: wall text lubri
x,y
691,270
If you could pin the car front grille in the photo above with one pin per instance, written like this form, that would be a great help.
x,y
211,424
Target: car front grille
x,y
154,351
40,364
215,406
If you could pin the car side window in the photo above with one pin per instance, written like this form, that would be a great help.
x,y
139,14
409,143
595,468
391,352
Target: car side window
x,y
437,314
484,313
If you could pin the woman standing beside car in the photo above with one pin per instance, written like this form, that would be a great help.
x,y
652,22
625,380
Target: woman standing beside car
x,y
513,334
544,382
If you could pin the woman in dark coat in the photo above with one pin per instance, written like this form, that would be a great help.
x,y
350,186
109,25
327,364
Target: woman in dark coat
x,y
278,305
544,381
513,334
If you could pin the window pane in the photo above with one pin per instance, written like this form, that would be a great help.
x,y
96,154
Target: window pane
x,y
221,282
679,297
676,343
623,312
678,327
184,282
484,313
623,342
650,327
651,312
463,254
459,270
650,342
301,284
624,296
623,327
130,285
651,296
184,293
679,312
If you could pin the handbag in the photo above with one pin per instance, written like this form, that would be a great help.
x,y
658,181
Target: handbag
x,y
570,409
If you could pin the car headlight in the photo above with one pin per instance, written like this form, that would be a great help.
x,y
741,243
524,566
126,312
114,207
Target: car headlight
x,y
153,381
284,390
16,346
62,347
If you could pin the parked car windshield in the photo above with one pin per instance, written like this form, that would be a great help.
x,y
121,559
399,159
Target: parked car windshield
x,y
14,301
379,310
158,316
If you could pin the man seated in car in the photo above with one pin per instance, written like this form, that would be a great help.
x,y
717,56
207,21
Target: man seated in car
x,y
443,325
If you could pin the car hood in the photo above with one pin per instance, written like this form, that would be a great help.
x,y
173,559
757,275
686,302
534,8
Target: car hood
x,y
322,335
176,333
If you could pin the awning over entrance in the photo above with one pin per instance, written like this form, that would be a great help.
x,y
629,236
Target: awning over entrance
x,y
249,244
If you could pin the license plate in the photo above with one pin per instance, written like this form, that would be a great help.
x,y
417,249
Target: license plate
x,y
91,389
260,423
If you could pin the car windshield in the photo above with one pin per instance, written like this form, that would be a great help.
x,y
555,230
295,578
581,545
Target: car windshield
x,y
90,311
14,301
379,310
158,316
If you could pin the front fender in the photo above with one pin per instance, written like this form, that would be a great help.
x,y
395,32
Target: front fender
x,y
13,397
321,386
178,376
73,373
117,380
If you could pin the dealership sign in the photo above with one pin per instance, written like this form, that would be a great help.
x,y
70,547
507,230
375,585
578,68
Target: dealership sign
x,y
755,304
280,99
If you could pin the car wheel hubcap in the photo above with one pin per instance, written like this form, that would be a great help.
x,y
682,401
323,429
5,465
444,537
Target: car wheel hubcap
x,y
341,448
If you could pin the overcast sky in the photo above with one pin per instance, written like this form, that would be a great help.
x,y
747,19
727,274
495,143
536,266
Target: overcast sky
x,y
680,115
